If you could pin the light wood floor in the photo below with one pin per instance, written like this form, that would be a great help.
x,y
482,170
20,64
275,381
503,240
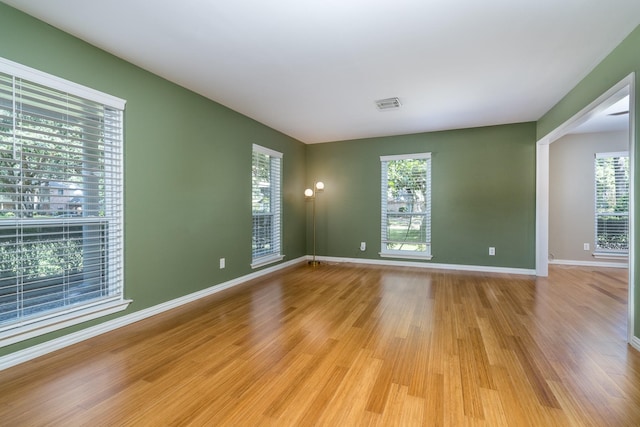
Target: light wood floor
x,y
348,345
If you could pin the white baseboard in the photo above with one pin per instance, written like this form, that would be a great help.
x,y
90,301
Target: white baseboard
x,y
38,350
635,343
430,265
589,263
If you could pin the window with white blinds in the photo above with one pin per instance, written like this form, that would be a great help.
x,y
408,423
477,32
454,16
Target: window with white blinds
x,y
406,206
266,206
612,203
61,234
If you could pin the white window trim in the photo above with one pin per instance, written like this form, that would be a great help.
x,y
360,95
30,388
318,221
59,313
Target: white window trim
x,y
266,151
53,82
405,255
608,155
271,258
30,328
405,157
60,320
611,255
387,253
266,260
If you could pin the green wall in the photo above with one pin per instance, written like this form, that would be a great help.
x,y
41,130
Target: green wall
x,y
187,170
483,194
622,61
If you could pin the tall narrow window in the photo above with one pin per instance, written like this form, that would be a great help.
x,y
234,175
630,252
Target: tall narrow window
x,y
406,206
612,203
265,202
60,203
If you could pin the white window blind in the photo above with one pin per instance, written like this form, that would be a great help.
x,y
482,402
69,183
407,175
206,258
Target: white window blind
x,y
406,206
612,202
61,236
266,206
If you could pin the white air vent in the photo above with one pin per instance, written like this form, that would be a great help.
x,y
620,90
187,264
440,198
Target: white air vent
x,y
388,104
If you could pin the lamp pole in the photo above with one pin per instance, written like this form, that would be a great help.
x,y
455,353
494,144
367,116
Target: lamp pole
x,y
309,193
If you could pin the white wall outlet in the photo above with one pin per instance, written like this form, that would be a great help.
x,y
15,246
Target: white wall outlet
x,y
363,246
222,263
586,246
492,251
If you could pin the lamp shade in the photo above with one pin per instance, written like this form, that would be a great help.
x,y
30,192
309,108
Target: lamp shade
x,y
319,185
308,192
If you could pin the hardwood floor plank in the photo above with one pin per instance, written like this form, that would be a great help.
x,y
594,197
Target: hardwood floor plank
x,y
471,397
289,392
454,398
514,397
536,378
479,359
354,345
321,401
492,408
435,400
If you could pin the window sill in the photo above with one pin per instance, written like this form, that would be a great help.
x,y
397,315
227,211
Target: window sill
x,y
410,255
261,262
64,319
610,255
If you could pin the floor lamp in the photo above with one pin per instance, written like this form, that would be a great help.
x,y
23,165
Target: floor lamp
x,y
311,194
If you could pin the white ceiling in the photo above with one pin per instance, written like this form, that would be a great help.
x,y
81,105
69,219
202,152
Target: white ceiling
x,y
312,69
610,116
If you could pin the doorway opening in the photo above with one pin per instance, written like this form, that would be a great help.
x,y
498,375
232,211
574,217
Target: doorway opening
x,y
585,117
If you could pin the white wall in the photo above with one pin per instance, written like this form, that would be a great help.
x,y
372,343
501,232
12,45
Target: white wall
x,y
571,193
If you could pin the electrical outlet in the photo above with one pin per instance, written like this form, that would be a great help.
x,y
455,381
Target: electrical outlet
x,y
222,263
492,251
363,246
586,246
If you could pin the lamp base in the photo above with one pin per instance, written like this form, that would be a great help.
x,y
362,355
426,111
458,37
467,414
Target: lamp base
x,y
314,263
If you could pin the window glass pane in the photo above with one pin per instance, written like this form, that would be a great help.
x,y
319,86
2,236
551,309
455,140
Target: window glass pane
x,y
406,213
406,191
265,195
262,235
261,181
48,267
612,203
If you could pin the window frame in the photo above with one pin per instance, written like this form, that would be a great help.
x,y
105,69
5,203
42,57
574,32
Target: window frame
x,y
48,321
407,254
600,252
275,187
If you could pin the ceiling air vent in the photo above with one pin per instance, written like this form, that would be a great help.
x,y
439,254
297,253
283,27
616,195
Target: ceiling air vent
x,y
388,104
